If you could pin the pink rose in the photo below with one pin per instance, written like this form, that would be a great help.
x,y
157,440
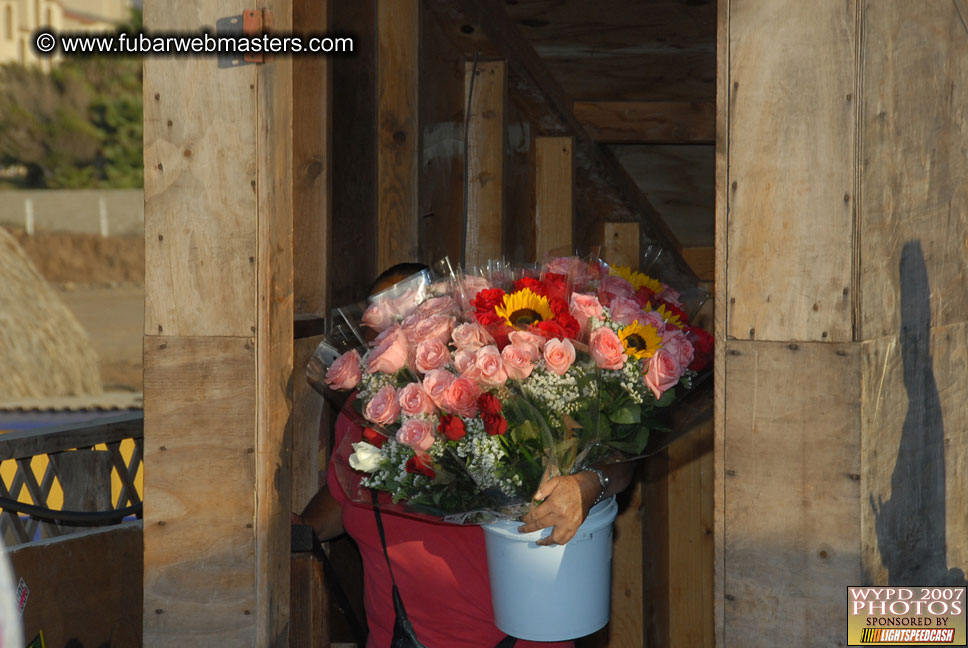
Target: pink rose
x,y
377,317
390,356
437,306
460,397
391,331
470,285
401,301
491,366
671,295
383,409
464,359
471,335
528,342
675,342
414,400
430,355
625,311
653,319
559,355
435,383
584,307
517,362
607,349
437,327
663,373
616,286
562,265
345,372
416,433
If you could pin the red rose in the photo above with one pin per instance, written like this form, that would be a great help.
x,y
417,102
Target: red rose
x,y
558,306
702,342
487,299
373,437
488,404
421,464
533,284
488,318
548,329
556,285
569,325
643,297
494,424
452,427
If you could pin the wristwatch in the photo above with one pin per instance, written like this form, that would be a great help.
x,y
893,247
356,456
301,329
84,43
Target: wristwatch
x,y
603,480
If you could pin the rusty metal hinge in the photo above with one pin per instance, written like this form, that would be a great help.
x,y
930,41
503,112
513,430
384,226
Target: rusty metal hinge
x,y
252,22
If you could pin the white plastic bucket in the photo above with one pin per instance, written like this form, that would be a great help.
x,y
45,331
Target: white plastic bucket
x,y
552,593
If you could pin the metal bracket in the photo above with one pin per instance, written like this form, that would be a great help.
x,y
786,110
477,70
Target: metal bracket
x,y
252,22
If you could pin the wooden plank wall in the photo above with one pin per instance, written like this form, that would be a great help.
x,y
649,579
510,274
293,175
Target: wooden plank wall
x,y
218,340
842,222
554,196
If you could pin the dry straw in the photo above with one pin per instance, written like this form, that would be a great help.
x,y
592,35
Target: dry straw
x,y
44,351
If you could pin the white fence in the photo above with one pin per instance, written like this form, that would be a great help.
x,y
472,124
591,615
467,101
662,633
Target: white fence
x,y
109,212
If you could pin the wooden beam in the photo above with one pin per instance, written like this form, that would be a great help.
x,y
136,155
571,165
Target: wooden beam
x,y
702,260
620,244
398,134
554,193
606,191
485,161
648,122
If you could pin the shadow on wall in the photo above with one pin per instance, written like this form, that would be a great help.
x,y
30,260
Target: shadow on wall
x,y
911,525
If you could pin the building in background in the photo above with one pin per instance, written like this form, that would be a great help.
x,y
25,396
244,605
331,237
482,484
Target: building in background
x,y
19,19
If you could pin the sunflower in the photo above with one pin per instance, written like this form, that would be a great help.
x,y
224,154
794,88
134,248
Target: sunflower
x,y
637,279
523,308
668,316
640,340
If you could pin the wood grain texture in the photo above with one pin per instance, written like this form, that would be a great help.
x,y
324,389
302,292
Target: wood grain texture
x,y
200,418
200,184
702,260
309,626
353,258
679,181
792,491
442,104
648,122
691,538
485,163
914,443
307,446
520,180
312,168
620,244
626,625
655,550
913,165
85,588
554,195
398,132
274,344
790,228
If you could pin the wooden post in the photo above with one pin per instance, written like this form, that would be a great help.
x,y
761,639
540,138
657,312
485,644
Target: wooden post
x,y
398,132
85,477
485,161
218,340
620,244
554,195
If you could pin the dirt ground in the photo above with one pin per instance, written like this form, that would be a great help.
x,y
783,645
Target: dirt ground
x,y
102,281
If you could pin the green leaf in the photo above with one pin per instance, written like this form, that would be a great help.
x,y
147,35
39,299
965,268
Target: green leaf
x,y
666,399
627,415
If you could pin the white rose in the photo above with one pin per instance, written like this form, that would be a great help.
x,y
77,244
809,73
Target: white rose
x,y
366,457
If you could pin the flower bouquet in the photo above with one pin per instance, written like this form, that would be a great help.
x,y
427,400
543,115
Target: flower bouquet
x,y
472,388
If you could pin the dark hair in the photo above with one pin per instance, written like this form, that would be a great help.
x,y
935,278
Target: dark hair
x,y
398,271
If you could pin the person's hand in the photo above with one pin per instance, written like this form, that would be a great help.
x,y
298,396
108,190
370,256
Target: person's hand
x,y
566,503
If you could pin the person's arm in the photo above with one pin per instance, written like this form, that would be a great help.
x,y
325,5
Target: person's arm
x,y
324,514
568,499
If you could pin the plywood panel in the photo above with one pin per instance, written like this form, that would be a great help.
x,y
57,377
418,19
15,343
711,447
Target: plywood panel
x,y
85,588
200,184
791,128
398,134
915,456
914,162
485,161
554,195
792,491
620,244
200,414
312,169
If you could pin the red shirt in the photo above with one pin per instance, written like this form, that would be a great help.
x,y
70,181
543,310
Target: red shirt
x,y
441,572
